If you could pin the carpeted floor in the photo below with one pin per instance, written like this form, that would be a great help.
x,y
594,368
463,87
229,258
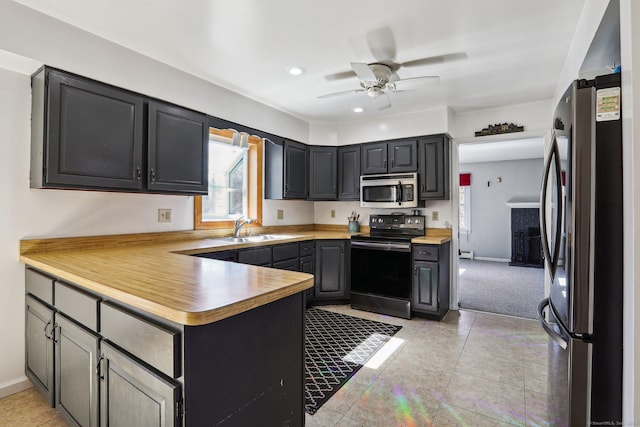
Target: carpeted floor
x,y
496,287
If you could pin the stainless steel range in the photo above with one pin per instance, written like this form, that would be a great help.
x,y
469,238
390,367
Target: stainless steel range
x,y
381,264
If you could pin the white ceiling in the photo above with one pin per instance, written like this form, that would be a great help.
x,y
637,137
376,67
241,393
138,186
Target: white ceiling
x,y
515,49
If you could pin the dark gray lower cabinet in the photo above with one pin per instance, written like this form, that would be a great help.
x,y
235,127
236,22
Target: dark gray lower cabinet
x,y
431,279
39,347
133,395
332,260
75,366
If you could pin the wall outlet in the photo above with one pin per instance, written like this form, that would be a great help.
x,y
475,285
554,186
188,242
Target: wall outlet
x,y
164,215
434,216
333,213
280,214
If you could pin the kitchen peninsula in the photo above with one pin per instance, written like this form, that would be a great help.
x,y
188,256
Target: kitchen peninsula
x,y
173,339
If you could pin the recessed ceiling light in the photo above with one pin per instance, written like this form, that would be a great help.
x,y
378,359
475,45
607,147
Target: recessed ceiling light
x,y
358,110
295,71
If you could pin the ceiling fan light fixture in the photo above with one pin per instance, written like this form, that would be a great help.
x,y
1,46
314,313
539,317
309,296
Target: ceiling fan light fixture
x,y
374,92
296,70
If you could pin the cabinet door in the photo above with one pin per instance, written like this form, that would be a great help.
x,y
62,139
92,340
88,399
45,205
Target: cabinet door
x,y
373,158
255,256
39,347
295,170
132,395
349,173
323,165
94,135
425,286
307,265
76,381
433,154
403,156
178,149
330,269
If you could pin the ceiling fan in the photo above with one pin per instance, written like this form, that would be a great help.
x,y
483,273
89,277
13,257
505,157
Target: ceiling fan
x,y
380,76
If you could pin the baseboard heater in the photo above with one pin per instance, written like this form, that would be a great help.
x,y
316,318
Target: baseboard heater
x,y
466,255
381,304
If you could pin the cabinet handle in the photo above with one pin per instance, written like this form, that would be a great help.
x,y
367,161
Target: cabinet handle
x,y
46,335
153,176
138,173
99,367
384,163
422,188
53,333
415,271
341,248
392,163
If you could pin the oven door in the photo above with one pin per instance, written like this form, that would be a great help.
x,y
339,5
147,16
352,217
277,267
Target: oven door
x,y
381,277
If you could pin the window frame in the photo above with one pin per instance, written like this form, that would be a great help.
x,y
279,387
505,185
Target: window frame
x,y
467,209
254,185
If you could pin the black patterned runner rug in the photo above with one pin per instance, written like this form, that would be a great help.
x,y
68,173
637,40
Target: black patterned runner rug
x,y
336,347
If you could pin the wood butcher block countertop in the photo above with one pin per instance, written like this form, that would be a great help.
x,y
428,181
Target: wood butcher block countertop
x,y
154,272
162,279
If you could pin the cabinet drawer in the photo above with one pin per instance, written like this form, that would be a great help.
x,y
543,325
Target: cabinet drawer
x,y
425,252
291,265
307,248
257,256
39,285
154,344
77,304
285,252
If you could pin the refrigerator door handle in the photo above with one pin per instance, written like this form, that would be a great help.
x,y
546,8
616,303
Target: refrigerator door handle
x,y
559,339
552,161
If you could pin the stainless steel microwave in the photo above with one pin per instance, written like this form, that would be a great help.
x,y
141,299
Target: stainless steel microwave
x,y
395,190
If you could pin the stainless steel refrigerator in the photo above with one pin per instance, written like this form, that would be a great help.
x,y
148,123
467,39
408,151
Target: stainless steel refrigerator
x,y
581,223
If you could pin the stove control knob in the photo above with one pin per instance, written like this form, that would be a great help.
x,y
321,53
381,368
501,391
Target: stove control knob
x,y
380,220
417,220
409,221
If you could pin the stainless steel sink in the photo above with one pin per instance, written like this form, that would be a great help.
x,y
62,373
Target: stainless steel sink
x,y
258,238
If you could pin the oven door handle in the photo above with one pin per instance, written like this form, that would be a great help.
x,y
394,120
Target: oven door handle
x,y
395,247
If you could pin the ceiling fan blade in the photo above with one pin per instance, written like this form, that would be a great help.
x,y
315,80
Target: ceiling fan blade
x,y
421,79
382,44
432,60
340,76
382,101
363,72
344,92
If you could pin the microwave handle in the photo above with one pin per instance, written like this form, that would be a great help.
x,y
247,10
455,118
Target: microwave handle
x,y
399,193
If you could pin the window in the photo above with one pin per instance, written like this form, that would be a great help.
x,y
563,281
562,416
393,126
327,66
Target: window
x,y
235,180
464,202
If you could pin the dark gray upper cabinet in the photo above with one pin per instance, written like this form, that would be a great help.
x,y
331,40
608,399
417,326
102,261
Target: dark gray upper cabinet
x,y
374,158
403,156
90,135
285,169
295,170
390,157
178,149
85,134
323,165
433,170
349,172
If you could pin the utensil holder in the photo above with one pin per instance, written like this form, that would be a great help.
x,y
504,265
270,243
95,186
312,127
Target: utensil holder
x,y
354,227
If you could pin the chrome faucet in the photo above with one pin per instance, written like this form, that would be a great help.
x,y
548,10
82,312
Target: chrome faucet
x,y
240,221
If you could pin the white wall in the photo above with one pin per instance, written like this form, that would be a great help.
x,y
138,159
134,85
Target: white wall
x,y
630,50
490,216
533,116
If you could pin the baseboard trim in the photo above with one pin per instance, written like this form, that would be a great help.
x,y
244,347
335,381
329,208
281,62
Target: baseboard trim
x,y
486,258
15,386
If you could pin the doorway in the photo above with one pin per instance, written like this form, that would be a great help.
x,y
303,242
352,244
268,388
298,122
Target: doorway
x,y
500,268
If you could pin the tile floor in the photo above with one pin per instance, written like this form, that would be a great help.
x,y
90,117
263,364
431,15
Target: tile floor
x,y
471,369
